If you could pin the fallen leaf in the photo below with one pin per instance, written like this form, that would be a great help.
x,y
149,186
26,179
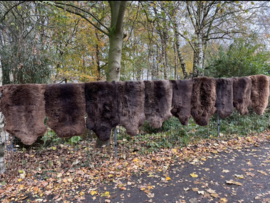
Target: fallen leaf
x,y
195,189
211,191
193,175
201,192
93,192
214,195
168,178
225,171
231,182
262,172
150,195
105,194
250,174
239,176
136,160
223,200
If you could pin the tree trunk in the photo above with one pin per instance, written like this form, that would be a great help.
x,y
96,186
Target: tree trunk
x,y
198,56
3,133
116,37
181,59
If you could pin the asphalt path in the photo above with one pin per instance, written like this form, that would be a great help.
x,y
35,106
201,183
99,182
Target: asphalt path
x,y
236,176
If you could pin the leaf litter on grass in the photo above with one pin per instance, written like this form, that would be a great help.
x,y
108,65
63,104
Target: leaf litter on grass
x,y
62,168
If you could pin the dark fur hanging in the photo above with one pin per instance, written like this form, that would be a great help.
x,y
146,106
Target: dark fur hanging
x,y
259,93
224,101
158,101
24,109
131,105
102,108
242,94
203,100
65,108
181,102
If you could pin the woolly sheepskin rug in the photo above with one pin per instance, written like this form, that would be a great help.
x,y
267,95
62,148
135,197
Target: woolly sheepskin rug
x,y
242,94
203,99
102,108
24,109
131,105
259,93
224,101
181,101
158,101
65,108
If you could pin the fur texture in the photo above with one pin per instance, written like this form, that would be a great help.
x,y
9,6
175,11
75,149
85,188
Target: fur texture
x,y
65,108
131,105
158,101
224,101
259,93
181,101
242,94
102,108
203,100
24,109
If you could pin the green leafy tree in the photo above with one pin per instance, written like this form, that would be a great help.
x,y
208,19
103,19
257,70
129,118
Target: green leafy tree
x,y
245,56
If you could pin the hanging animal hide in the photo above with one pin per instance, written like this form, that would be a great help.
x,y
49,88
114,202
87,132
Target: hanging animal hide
x,y
224,101
65,108
102,108
203,100
181,101
24,109
158,101
131,105
242,94
259,93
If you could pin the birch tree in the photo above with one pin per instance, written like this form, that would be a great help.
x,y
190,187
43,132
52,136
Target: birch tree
x,y
3,133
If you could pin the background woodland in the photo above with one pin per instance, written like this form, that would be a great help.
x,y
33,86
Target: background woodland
x,y
56,42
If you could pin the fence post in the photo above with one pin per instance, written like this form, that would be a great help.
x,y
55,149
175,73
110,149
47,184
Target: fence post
x,y
218,125
115,142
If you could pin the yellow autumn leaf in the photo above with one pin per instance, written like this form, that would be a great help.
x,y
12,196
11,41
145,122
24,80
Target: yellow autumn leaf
x,y
19,180
136,160
82,193
214,151
203,159
105,194
174,151
93,192
168,178
214,195
193,175
223,200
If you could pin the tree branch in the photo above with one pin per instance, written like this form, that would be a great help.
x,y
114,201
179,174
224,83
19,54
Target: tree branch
x,y
82,16
190,15
120,18
57,2
3,18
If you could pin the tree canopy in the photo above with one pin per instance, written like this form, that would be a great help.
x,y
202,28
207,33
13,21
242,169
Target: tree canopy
x,y
60,41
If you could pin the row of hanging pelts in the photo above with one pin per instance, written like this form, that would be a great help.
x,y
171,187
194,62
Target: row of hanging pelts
x,y
127,104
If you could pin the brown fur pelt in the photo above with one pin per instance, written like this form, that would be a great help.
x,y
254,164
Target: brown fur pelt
x,y
158,101
65,108
181,101
259,93
203,99
131,105
224,101
242,94
24,109
102,108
